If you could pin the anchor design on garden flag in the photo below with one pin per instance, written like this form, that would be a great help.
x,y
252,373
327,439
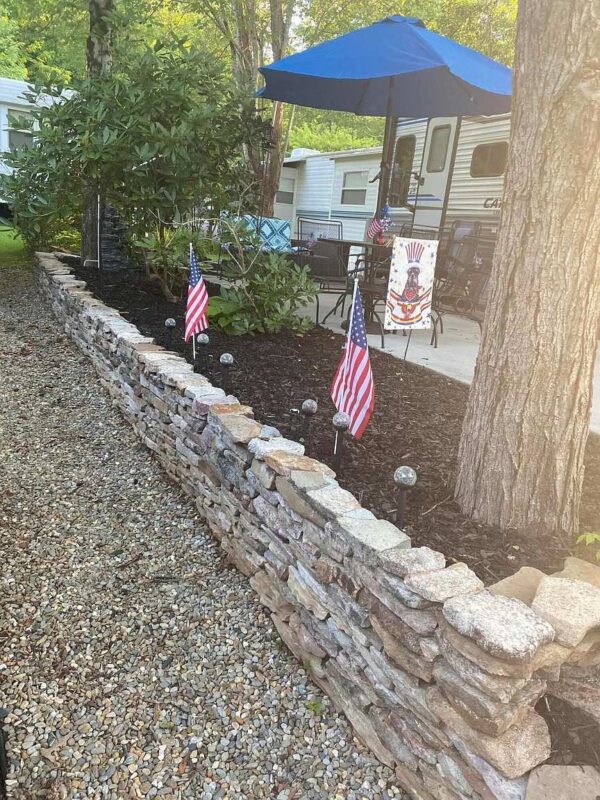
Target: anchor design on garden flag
x,y
408,301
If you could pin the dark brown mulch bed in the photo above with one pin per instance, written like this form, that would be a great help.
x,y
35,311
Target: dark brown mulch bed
x,y
417,421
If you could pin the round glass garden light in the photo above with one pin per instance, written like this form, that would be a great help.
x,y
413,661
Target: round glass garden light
x,y
309,408
341,421
226,359
405,477
202,339
170,323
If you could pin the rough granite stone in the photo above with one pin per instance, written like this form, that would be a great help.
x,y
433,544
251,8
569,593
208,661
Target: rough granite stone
x,y
403,562
381,615
522,585
571,607
548,655
264,475
397,587
369,537
519,749
502,626
401,655
239,428
554,782
579,570
499,787
297,500
284,463
332,501
260,447
422,621
499,686
306,595
479,709
442,584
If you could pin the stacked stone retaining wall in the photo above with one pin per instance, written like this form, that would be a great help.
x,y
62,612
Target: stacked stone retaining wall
x,y
438,675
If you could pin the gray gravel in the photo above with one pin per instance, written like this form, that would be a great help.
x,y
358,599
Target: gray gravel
x,y
133,662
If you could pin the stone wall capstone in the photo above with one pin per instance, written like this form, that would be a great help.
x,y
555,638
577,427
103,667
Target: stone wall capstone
x,y
438,675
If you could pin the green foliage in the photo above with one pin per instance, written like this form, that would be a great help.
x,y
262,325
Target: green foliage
x,y
265,298
327,135
159,137
12,55
165,253
589,539
68,238
316,706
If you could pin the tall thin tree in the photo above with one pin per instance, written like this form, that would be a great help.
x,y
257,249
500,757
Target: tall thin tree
x,y
521,457
99,59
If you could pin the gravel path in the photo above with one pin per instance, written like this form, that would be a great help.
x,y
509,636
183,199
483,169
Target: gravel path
x,y
133,662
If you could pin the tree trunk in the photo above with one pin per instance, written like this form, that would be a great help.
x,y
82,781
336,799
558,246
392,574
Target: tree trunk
x,y
274,162
99,59
521,456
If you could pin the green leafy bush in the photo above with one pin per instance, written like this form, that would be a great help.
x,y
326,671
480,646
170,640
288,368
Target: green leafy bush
x,y
160,138
265,299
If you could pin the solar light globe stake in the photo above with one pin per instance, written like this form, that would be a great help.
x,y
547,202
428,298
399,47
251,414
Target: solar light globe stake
x,y
203,342
404,478
170,326
341,423
308,408
226,361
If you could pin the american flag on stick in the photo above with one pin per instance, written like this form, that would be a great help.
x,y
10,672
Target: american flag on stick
x,y
197,300
353,390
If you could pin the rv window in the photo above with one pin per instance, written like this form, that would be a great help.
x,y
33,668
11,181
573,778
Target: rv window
x,y
401,171
20,134
438,149
285,193
489,160
354,188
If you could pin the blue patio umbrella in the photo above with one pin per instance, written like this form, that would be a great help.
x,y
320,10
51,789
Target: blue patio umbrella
x,y
395,68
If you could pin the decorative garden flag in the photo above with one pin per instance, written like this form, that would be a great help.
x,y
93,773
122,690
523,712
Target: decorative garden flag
x,y
408,303
197,300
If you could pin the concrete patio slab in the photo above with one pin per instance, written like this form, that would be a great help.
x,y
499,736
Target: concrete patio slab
x,y
455,355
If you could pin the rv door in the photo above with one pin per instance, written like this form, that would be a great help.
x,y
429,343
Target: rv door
x,y
429,195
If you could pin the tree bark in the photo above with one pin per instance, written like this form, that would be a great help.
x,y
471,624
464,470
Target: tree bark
x,y
521,456
99,59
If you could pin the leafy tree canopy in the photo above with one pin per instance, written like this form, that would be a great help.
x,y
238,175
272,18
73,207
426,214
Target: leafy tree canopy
x,y
160,137
12,55
49,37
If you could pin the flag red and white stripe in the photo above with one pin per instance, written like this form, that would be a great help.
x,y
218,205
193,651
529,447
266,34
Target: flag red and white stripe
x,y
197,300
353,390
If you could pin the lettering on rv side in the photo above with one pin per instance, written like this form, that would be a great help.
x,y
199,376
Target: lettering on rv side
x,y
492,202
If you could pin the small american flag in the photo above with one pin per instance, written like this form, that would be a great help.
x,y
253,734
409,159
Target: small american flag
x,y
375,228
197,300
353,390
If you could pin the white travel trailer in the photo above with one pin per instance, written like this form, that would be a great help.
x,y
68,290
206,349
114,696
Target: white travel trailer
x,y
443,170
14,104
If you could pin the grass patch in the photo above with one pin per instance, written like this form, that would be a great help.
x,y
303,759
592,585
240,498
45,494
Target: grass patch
x,y
12,249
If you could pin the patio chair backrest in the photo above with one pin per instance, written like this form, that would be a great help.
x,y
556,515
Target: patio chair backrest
x,y
275,234
319,229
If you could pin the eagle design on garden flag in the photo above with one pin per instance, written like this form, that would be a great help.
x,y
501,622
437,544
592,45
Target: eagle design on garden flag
x,y
408,303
